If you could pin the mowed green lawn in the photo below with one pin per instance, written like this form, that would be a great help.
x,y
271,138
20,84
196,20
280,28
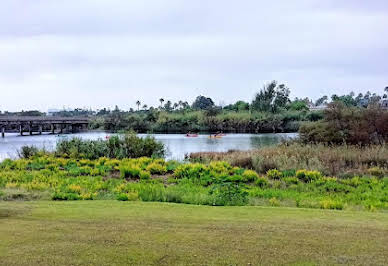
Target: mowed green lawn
x,y
139,233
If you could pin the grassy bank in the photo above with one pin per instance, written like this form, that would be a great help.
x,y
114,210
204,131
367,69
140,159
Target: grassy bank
x,y
135,233
216,183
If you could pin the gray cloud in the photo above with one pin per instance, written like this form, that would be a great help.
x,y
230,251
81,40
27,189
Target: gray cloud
x,y
101,53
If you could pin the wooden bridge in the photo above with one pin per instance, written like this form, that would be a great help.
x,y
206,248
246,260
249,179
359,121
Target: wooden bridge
x,y
39,124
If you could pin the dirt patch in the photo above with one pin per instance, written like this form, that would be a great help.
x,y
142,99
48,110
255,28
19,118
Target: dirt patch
x,y
114,174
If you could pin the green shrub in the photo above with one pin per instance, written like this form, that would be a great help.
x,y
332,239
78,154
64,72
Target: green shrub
x,y
229,194
155,168
308,176
376,171
122,197
129,171
191,171
130,196
27,152
144,175
65,196
172,180
331,204
291,180
128,145
274,174
274,202
250,175
233,178
288,173
261,182
172,165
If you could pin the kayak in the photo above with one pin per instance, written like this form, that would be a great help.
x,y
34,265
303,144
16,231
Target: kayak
x,y
215,137
191,135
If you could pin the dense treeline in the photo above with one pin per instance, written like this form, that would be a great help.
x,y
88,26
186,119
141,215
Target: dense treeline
x,y
271,110
201,121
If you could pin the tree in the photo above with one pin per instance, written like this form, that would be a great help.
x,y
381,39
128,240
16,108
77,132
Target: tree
x,y
264,98
374,99
145,107
281,97
238,106
168,106
271,98
203,103
185,105
348,100
298,105
161,100
116,110
180,104
321,101
175,106
138,104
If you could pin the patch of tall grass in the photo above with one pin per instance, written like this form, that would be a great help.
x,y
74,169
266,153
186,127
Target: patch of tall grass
x,y
340,161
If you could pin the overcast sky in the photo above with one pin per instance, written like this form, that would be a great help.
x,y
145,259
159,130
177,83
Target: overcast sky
x,y
99,53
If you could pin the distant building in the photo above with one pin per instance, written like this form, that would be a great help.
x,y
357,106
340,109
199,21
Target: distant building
x,y
363,103
384,103
321,107
51,112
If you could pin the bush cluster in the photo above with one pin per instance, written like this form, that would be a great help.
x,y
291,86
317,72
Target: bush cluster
x,y
127,145
350,125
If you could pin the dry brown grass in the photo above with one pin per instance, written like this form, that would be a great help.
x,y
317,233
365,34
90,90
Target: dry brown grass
x,y
330,160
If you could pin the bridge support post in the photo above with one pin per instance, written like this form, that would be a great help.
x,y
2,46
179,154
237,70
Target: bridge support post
x,y
52,128
40,129
61,131
21,129
30,129
3,132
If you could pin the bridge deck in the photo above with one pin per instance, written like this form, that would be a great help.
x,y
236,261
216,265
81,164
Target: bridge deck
x,y
41,124
42,119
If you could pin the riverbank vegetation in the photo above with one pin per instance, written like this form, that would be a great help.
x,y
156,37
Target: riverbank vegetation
x,y
216,183
270,110
348,125
341,160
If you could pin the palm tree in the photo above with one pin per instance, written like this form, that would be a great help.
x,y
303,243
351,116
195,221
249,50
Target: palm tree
x,y
138,105
161,100
175,106
145,107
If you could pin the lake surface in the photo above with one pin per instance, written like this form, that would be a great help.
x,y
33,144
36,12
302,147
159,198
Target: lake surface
x,y
178,145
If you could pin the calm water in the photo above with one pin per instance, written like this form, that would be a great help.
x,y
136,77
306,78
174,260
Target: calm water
x,y
177,144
